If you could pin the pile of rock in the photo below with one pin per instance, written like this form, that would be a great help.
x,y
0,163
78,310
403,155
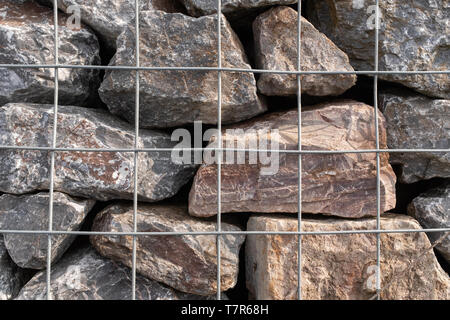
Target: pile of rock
x,y
93,190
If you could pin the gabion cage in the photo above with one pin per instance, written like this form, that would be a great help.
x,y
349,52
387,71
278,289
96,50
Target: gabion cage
x,y
53,149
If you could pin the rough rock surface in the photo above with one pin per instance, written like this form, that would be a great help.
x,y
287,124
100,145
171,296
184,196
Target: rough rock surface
x,y
187,263
342,266
432,210
417,122
102,176
109,17
30,212
333,184
85,275
413,37
27,37
205,7
173,98
11,277
275,33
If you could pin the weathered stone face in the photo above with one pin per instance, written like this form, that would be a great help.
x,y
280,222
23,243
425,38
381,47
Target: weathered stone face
x,y
205,7
85,275
102,176
275,33
417,122
20,27
187,263
109,17
432,210
332,184
174,98
30,212
11,277
412,37
342,266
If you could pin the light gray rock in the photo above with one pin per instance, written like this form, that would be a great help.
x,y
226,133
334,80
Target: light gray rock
x,y
85,275
413,36
275,33
342,267
187,263
109,17
101,176
174,98
432,210
417,122
27,37
11,276
30,212
205,7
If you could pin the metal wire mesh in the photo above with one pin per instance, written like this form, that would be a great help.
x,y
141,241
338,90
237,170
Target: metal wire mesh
x,y
219,150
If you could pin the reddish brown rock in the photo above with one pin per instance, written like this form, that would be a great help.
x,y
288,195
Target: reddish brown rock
x,y
187,263
342,266
275,33
333,184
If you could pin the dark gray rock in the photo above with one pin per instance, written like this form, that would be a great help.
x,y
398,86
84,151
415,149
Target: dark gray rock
x,y
27,37
11,276
30,212
174,98
187,263
417,122
85,275
432,210
414,36
275,33
109,17
205,7
102,176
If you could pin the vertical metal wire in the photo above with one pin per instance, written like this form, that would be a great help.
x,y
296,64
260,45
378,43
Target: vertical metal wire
x,y
375,101
219,139
299,112
136,155
52,153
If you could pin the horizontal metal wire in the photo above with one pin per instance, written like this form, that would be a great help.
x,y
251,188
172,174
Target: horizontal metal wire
x,y
200,233
3,147
206,69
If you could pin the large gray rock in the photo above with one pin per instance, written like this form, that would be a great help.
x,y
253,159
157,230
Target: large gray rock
x,y
417,122
205,7
11,276
187,263
27,37
173,98
432,210
102,176
342,267
85,275
30,212
413,37
333,184
109,17
275,33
